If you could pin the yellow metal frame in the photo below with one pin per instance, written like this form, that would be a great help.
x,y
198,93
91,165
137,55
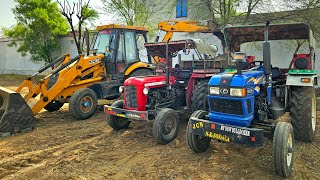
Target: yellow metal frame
x,y
115,26
69,80
135,66
181,26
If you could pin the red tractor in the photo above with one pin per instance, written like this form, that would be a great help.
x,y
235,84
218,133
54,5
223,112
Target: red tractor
x,y
156,97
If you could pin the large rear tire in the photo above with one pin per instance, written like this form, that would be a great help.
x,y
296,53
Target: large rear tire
x,y
116,122
54,105
303,113
283,149
141,72
83,103
196,143
165,126
199,98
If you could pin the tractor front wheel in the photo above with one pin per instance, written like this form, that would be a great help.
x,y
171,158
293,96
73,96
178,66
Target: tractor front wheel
x,y
116,122
165,126
303,113
83,103
197,143
283,149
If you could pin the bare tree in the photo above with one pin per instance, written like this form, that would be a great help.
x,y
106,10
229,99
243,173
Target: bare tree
x,y
83,12
133,12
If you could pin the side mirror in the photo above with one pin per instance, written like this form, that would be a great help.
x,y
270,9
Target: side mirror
x,y
108,49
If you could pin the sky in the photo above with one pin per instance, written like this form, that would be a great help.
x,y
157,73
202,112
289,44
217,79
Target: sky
x,y
6,15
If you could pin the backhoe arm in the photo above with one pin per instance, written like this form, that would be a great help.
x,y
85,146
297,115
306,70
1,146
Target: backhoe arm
x,y
182,26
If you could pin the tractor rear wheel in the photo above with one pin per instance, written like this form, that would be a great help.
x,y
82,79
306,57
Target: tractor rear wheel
x,y
283,149
116,122
165,126
197,143
303,113
141,72
54,105
83,103
199,98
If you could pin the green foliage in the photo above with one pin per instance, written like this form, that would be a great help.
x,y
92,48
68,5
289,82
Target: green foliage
x,y
89,14
224,12
39,23
131,12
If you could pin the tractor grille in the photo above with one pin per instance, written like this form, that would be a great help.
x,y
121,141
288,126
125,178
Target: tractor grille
x,y
131,96
226,106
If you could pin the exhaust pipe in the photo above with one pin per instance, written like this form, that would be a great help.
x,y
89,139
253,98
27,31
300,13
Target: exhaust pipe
x,y
15,114
167,64
266,53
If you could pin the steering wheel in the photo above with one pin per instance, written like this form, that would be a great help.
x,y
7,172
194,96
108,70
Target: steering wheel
x,y
253,63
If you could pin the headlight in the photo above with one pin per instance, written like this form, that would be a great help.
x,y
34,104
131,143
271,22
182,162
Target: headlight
x,y
145,91
214,90
238,92
121,89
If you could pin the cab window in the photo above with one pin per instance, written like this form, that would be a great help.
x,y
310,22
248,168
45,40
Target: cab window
x,y
120,54
131,46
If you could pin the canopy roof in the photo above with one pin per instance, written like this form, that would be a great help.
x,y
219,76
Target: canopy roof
x,y
237,35
159,48
116,26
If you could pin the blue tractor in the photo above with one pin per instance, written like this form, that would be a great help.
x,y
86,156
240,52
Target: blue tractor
x,y
245,105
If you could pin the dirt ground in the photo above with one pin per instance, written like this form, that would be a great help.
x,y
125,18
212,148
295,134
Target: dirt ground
x,y
63,148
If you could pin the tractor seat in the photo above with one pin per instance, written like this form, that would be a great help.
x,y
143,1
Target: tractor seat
x,y
276,73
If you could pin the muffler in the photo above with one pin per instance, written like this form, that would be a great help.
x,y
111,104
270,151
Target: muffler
x,y
15,114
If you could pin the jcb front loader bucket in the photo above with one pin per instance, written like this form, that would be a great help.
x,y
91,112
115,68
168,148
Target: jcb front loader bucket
x,y
15,114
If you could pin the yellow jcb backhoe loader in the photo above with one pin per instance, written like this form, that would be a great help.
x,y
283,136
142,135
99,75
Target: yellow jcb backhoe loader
x,y
79,81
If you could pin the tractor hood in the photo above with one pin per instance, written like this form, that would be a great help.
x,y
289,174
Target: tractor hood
x,y
249,78
152,81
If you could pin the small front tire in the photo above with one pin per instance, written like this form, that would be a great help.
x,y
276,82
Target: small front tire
x,y
165,126
283,149
196,143
53,105
116,122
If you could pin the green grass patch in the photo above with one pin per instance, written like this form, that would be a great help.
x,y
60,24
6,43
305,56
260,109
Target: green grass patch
x,y
18,77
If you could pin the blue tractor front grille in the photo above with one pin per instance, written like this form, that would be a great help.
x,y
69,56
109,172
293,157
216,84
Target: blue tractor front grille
x,y
227,106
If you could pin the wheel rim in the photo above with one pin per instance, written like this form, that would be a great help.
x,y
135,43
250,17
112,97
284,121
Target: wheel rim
x,y
86,104
289,150
202,140
314,112
168,126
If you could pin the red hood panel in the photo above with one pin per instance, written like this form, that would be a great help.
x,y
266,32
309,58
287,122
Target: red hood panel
x,y
149,81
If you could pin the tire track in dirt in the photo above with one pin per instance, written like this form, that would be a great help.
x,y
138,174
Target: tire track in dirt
x,y
68,149
43,154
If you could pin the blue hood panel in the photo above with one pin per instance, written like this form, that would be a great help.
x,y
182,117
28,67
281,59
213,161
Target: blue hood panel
x,y
249,78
